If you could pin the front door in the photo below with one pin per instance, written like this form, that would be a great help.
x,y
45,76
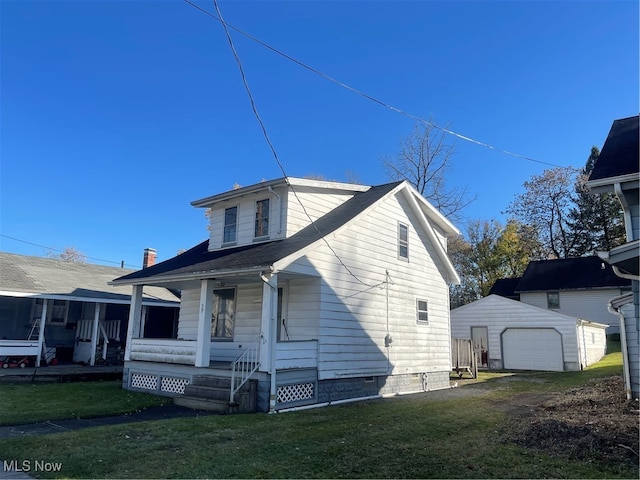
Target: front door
x,y
480,340
224,311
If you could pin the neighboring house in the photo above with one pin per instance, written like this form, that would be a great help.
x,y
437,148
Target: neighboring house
x,y
617,171
511,335
56,309
578,287
353,304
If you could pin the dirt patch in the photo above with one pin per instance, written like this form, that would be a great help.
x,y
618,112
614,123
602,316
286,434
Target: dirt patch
x,y
595,422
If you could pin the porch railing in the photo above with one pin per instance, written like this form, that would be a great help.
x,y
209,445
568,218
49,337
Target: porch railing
x,y
244,366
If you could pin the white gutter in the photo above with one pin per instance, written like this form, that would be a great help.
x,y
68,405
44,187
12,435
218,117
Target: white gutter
x,y
617,188
623,346
190,276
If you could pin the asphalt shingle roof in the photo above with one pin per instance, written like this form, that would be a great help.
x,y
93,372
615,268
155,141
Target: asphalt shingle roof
x,y
263,255
569,274
47,276
620,154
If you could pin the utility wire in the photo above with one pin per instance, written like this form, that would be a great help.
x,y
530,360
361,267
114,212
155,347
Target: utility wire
x,y
59,250
273,150
365,95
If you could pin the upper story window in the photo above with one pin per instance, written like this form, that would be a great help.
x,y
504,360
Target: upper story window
x,y
230,225
553,299
403,241
262,218
422,311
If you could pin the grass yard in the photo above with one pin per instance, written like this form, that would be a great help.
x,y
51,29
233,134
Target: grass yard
x,y
416,436
39,402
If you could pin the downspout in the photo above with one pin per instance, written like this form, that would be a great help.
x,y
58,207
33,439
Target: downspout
x,y
623,347
273,338
628,226
279,209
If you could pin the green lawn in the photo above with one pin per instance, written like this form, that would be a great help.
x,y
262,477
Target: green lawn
x,y
38,402
402,437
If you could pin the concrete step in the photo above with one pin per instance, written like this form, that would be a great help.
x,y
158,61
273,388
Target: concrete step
x,y
198,403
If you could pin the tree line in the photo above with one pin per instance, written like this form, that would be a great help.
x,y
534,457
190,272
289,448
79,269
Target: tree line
x,y
555,217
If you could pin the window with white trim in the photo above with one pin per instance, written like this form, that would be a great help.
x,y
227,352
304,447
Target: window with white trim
x,y
262,219
230,225
403,241
422,311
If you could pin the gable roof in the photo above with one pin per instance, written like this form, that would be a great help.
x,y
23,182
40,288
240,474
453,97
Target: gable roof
x,y
506,287
199,262
499,307
569,274
620,153
47,277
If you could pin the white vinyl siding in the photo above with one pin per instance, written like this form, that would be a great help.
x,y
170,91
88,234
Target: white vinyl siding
x,y
352,317
586,304
316,204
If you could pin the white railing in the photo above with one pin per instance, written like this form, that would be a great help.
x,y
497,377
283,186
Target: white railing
x,y
110,329
163,350
244,366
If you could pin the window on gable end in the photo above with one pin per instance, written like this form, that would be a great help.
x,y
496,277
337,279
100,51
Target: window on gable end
x,y
262,219
403,241
230,225
422,311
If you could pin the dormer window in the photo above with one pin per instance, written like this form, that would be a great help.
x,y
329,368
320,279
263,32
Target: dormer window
x,y
262,219
230,225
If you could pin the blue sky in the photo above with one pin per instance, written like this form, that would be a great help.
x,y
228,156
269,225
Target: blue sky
x,y
115,115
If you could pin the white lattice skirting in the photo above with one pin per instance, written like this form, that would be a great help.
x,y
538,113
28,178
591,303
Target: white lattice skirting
x,y
295,393
149,381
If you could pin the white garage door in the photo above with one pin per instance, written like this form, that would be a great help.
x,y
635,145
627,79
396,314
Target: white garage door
x,y
532,349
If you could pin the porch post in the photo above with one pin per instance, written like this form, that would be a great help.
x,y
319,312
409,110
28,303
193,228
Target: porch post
x,y
203,340
43,319
135,312
269,332
94,333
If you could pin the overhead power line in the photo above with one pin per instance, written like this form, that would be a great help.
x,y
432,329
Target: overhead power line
x,y
60,250
365,95
268,140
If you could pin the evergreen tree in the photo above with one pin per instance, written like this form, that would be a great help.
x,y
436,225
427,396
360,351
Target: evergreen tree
x,y
596,220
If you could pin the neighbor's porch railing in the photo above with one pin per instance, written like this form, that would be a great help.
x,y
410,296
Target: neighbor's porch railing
x,y
244,366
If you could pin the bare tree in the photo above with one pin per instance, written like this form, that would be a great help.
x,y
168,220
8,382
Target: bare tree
x,y
545,207
69,254
424,160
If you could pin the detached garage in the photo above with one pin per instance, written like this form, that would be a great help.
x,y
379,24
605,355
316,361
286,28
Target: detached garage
x,y
511,335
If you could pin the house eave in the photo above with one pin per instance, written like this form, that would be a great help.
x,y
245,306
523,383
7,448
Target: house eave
x,y
603,185
76,298
199,275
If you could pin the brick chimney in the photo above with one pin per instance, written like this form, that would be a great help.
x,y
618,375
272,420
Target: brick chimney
x,y
149,259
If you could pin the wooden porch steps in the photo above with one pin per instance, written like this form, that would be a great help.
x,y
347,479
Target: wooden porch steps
x,y
211,393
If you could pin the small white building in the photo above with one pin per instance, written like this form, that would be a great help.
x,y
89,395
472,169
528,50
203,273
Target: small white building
x,y
512,335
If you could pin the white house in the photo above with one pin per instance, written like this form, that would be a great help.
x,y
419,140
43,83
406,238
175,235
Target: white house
x,y
61,311
512,335
309,291
579,287
617,171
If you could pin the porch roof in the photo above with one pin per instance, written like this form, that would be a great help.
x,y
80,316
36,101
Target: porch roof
x,y
27,276
199,262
